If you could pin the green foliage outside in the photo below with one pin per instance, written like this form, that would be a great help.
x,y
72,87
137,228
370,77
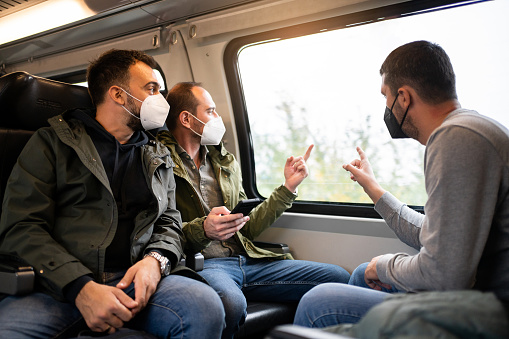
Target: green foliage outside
x,y
328,181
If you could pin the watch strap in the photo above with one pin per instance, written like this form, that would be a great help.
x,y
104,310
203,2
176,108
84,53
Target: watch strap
x,y
163,261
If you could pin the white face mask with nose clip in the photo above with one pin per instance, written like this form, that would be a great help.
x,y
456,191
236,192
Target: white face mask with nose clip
x,y
213,131
153,112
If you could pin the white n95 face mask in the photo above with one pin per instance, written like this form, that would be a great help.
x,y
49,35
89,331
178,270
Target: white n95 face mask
x,y
213,131
153,112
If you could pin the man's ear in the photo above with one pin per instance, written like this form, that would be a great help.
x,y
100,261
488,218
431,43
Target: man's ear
x,y
115,94
405,96
185,119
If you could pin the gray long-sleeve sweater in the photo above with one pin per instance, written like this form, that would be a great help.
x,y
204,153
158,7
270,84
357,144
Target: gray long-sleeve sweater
x,y
463,238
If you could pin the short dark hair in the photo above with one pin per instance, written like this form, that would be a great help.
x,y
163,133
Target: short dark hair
x,y
425,67
112,68
181,98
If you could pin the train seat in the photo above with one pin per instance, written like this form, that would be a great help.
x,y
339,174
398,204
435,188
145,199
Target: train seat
x,y
27,103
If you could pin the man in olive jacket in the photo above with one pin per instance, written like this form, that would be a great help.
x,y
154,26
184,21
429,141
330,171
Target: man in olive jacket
x,y
90,205
209,185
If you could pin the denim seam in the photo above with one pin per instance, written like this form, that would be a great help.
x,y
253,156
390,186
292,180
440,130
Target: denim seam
x,y
333,314
272,283
172,311
242,269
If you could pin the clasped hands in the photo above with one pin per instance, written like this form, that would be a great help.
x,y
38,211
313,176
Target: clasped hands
x,y
106,308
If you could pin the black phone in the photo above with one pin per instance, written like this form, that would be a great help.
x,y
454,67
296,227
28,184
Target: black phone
x,y
245,206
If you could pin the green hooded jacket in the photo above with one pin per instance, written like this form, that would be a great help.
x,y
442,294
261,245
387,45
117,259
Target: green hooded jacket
x,y
59,214
229,177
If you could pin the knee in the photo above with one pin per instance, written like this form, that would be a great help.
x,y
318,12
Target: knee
x,y
357,277
332,304
208,299
327,295
235,306
315,297
184,303
339,275
207,303
311,303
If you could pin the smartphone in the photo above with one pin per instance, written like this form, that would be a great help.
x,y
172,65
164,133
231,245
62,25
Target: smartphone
x,y
245,206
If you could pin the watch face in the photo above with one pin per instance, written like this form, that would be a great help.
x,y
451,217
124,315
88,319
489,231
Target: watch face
x,y
166,270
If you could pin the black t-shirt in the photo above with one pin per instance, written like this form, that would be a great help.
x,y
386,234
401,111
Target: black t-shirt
x,y
123,166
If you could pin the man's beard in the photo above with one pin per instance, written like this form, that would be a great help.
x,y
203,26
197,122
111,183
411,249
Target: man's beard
x,y
408,125
133,123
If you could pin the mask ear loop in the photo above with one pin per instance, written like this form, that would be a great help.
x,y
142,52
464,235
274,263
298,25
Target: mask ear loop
x,y
404,116
192,130
130,95
194,116
133,98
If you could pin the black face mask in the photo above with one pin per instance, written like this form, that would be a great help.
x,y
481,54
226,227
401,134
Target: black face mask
x,y
392,123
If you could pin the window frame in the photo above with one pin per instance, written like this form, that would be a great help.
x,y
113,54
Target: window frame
x,y
242,126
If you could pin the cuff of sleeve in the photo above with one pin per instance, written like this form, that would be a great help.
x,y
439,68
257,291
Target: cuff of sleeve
x,y
173,258
72,289
387,204
288,196
382,268
196,240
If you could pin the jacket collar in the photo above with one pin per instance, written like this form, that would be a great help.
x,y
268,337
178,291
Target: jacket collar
x,y
217,153
169,140
70,129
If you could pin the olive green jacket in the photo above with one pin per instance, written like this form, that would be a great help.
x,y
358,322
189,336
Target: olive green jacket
x,y
59,214
229,177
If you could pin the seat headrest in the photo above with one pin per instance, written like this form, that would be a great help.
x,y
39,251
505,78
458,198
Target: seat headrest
x,y
28,101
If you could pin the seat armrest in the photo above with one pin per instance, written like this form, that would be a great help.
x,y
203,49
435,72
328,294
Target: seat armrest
x,y
272,246
194,261
299,332
16,277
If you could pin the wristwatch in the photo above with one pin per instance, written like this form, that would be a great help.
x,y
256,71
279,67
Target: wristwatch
x,y
165,268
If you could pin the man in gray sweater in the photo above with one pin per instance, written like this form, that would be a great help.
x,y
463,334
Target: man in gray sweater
x,y
463,237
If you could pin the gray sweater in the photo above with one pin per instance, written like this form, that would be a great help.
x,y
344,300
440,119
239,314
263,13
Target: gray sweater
x,y
463,238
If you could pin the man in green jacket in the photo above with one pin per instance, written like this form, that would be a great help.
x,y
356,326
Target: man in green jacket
x,y
209,185
90,205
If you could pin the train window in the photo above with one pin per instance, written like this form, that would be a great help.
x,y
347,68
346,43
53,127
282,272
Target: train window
x,y
324,88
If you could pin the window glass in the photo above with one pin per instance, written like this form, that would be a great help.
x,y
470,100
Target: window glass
x,y
160,80
324,89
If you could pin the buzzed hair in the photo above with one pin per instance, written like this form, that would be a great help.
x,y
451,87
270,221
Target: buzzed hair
x,y
425,67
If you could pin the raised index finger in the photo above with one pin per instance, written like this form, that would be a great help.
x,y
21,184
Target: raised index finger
x,y
308,152
361,153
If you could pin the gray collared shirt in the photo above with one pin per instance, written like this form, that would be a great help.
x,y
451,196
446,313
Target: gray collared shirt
x,y
206,186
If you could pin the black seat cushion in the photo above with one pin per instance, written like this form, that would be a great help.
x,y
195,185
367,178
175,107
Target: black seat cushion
x,y
262,316
11,145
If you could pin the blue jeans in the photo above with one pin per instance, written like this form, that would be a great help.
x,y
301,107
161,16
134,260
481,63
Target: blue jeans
x,y
333,304
238,279
357,279
180,308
